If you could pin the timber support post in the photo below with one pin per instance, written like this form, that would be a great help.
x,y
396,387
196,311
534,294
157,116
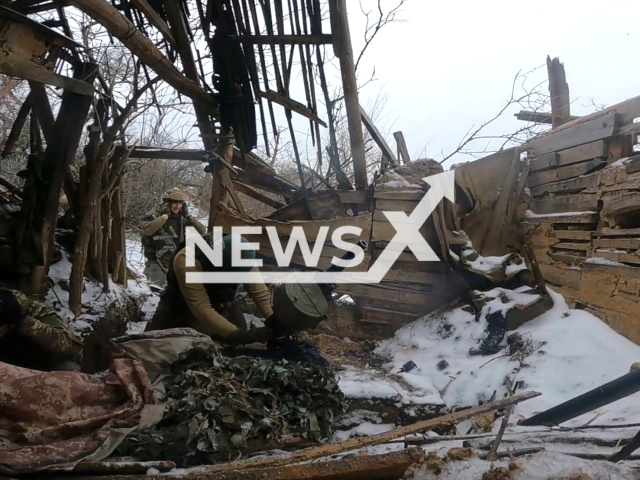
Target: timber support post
x,y
343,50
559,92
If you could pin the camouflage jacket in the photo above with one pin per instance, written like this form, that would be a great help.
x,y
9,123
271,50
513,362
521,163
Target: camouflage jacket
x,y
43,340
160,238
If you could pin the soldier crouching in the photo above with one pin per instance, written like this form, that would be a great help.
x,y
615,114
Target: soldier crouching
x,y
33,335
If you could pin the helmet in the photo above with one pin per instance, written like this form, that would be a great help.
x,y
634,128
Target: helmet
x,y
175,195
227,242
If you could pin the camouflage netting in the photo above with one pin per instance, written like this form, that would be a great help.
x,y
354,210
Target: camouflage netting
x,y
215,405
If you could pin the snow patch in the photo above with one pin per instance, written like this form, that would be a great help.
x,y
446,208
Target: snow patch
x,y
530,214
604,261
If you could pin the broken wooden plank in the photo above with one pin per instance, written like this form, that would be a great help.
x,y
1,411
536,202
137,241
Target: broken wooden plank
x,y
292,105
316,39
617,257
250,192
567,258
617,232
570,203
573,246
573,185
414,195
586,132
588,151
377,137
564,173
617,243
622,203
537,117
403,153
15,67
377,439
559,92
572,234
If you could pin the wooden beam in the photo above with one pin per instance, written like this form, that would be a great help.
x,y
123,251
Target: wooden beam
x,y
537,117
292,105
559,92
61,150
378,138
155,20
587,132
250,192
319,39
564,173
588,151
344,51
121,28
571,203
403,153
15,67
18,124
573,185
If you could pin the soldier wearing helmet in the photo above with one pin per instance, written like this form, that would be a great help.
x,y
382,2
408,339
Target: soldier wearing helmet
x,y
211,308
33,335
163,229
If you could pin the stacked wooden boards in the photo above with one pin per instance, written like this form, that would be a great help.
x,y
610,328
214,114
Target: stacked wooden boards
x,y
411,288
584,217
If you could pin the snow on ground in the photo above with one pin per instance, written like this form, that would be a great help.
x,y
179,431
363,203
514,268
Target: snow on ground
x,y
541,466
95,302
572,353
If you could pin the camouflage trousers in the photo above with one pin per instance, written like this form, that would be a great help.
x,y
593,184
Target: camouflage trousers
x,y
154,272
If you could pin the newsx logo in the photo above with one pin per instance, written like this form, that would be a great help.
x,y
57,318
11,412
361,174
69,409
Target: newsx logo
x,y
407,235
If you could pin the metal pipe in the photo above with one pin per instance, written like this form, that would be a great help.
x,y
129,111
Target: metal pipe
x,y
598,397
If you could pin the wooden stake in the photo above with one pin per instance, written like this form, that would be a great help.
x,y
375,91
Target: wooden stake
x,y
559,91
343,50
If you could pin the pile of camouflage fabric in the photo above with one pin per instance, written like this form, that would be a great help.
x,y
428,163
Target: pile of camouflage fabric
x,y
216,404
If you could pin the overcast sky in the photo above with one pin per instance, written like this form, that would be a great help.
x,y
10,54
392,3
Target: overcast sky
x,y
450,65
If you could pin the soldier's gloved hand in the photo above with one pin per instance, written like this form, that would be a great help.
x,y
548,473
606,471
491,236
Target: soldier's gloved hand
x,y
243,336
185,210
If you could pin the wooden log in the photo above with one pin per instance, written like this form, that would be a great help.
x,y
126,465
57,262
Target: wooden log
x,y
537,117
293,105
588,151
561,276
378,138
377,439
586,132
250,192
15,67
353,196
573,185
155,20
121,28
396,205
403,152
559,92
571,203
316,39
564,173
344,51
382,292
618,257
619,147
567,258
115,468
60,152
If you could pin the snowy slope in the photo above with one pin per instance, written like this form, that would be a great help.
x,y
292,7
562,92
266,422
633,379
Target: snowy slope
x,y
573,352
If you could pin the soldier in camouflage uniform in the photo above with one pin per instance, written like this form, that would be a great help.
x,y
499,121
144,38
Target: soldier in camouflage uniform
x,y
33,335
163,229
